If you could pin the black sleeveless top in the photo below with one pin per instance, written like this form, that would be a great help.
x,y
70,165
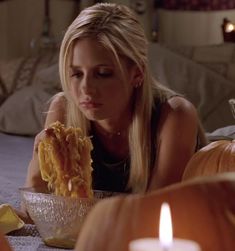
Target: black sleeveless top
x,y
111,174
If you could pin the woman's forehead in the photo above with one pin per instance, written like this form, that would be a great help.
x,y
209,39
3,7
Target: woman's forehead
x,y
91,48
87,49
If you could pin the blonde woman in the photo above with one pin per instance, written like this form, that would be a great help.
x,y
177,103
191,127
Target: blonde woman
x,y
143,134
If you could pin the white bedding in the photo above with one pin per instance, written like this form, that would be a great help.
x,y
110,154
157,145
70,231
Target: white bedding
x,y
15,154
227,132
205,75
207,89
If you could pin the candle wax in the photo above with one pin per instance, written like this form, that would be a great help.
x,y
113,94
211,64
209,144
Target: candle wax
x,y
151,244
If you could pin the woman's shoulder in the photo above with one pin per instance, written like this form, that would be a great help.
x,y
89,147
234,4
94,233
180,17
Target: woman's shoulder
x,y
178,108
180,104
58,100
173,103
57,109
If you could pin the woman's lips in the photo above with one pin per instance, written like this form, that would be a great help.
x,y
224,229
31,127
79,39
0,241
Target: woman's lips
x,y
90,105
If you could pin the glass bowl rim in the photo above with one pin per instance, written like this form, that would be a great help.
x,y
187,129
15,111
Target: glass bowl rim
x,y
43,192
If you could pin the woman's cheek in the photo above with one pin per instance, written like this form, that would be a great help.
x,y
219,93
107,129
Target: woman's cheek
x,y
74,93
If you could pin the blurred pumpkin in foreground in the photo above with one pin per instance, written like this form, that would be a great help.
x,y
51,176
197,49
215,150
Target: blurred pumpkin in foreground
x,y
216,157
202,210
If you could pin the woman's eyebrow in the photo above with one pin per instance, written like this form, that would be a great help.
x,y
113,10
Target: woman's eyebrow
x,y
76,67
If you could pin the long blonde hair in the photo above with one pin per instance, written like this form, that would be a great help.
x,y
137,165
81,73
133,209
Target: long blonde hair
x,y
117,28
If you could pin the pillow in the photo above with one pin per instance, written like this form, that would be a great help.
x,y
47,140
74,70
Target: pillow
x,y
3,91
206,89
26,95
23,113
227,132
8,75
218,58
49,77
20,72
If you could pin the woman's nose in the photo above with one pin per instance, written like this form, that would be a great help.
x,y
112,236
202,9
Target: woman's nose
x,y
87,85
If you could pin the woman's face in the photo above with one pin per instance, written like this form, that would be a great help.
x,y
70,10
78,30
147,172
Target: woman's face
x,y
97,85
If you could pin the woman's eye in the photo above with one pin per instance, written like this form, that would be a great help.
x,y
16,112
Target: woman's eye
x,y
105,74
76,74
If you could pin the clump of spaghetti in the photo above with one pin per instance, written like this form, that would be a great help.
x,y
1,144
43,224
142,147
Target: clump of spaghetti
x,y
65,161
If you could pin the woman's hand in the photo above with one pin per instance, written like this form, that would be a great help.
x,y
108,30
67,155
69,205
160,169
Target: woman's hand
x,y
34,178
56,112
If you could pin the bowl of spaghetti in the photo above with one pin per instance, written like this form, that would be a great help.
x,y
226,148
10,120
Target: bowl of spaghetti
x,y
65,165
58,219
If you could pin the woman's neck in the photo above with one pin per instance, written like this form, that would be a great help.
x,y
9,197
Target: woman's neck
x,y
109,131
114,138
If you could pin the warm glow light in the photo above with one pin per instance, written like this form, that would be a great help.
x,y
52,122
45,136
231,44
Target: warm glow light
x,y
165,241
165,226
229,27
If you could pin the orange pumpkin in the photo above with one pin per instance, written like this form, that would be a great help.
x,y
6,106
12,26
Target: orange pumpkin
x,y
216,157
4,245
203,210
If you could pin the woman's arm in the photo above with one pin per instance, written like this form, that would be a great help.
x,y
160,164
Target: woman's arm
x,y
177,139
56,112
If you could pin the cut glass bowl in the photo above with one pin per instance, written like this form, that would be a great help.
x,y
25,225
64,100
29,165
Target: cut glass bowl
x,y
57,218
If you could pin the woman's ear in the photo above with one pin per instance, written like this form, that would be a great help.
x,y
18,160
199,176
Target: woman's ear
x,y
138,76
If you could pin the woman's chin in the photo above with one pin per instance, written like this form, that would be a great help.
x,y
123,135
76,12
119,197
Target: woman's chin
x,y
94,116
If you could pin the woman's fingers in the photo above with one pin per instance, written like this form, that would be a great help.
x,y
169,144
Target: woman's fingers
x,y
39,137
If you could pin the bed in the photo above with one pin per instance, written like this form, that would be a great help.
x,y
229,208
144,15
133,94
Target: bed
x,y
15,153
23,105
203,73
23,108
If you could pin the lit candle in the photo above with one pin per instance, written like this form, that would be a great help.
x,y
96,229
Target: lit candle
x,y
229,27
165,241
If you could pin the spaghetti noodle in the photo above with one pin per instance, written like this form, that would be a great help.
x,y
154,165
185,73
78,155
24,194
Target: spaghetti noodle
x,y
65,161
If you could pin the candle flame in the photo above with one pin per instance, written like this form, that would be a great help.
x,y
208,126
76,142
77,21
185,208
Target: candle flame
x,y
165,226
229,27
